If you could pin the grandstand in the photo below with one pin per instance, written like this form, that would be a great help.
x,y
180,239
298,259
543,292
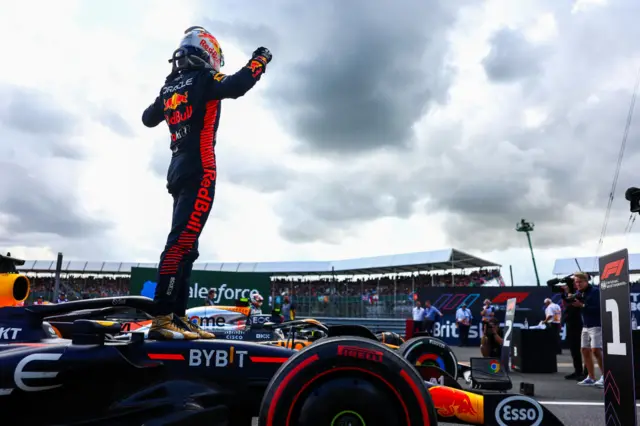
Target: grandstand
x,y
395,263
385,280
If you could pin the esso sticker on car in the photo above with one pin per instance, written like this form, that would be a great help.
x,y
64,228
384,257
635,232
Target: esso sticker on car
x,y
519,411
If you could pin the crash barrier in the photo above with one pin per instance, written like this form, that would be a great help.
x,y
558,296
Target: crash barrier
x,y
374,324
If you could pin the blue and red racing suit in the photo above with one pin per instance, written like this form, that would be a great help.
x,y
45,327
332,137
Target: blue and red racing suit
x,y
190,102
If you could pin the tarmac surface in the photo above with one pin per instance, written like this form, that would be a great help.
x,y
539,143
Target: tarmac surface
x,y
572,404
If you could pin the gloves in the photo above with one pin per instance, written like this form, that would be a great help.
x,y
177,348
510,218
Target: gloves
x,y
263,55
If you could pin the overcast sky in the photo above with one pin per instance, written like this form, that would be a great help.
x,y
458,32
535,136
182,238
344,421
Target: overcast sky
x,y
380,127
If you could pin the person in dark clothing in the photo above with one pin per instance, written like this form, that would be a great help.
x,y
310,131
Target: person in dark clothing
x,y
190,103
492,341
591,339
573,321
276,316
210,300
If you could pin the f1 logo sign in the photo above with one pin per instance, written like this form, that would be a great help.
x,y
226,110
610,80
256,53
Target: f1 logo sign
x,y
612,268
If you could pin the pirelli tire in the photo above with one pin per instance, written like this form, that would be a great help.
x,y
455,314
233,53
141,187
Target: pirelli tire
x,y
426,350
342,381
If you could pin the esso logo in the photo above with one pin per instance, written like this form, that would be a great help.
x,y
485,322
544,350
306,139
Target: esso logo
x,y
234,337
519,411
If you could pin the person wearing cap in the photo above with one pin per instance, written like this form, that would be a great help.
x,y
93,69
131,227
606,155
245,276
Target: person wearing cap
x,y
553,315
463,323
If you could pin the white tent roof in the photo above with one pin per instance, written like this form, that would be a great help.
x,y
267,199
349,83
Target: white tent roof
x,y
591,265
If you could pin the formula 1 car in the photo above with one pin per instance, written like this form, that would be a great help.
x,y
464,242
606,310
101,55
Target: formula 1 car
x,y
92,379
227,322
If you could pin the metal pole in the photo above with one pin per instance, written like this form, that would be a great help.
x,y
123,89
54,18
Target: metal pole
x,y
56,291
511,273
395,290
535,268
413,286
361,299
453,280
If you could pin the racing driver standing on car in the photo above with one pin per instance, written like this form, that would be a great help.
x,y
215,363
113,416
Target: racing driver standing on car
x,y
190,103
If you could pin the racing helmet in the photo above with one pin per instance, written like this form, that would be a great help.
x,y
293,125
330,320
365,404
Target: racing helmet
x,y
256,300
198,48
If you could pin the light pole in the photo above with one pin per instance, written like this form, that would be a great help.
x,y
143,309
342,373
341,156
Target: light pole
x,y
527,228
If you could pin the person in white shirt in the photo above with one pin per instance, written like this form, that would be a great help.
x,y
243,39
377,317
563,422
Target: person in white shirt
x,y
418,316
553,316
463,322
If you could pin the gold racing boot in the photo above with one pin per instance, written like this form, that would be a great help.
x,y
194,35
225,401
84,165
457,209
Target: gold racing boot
x,y
165,327
195,328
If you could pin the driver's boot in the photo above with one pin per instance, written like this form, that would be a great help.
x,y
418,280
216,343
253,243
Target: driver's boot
x,y
195,328
165,327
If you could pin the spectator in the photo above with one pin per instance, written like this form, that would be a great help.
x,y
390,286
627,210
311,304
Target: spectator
x,y
430,318
491,342
288,309
276,316
211,297
553,316
463,322
488,313
418,317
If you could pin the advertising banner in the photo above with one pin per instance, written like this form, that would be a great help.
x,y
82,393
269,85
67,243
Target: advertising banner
x,y
228,286
508,330
619,385
529,301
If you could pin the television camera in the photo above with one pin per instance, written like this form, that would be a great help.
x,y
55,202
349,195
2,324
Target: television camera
x,y
633,197
558,285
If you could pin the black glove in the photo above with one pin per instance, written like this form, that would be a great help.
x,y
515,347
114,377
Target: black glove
x,y
263,55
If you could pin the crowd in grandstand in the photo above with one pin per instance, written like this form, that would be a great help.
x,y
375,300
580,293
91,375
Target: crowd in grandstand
x,y
80,287
387,285
85,287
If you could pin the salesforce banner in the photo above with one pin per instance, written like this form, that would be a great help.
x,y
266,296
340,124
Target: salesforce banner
x,y
227,286
530,307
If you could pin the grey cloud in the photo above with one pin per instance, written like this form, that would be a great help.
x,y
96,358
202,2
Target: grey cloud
x,y
347,82
31,119
327,208
353,78
114,121
512,57
35,112
160,158
32,206
558,176
269,179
